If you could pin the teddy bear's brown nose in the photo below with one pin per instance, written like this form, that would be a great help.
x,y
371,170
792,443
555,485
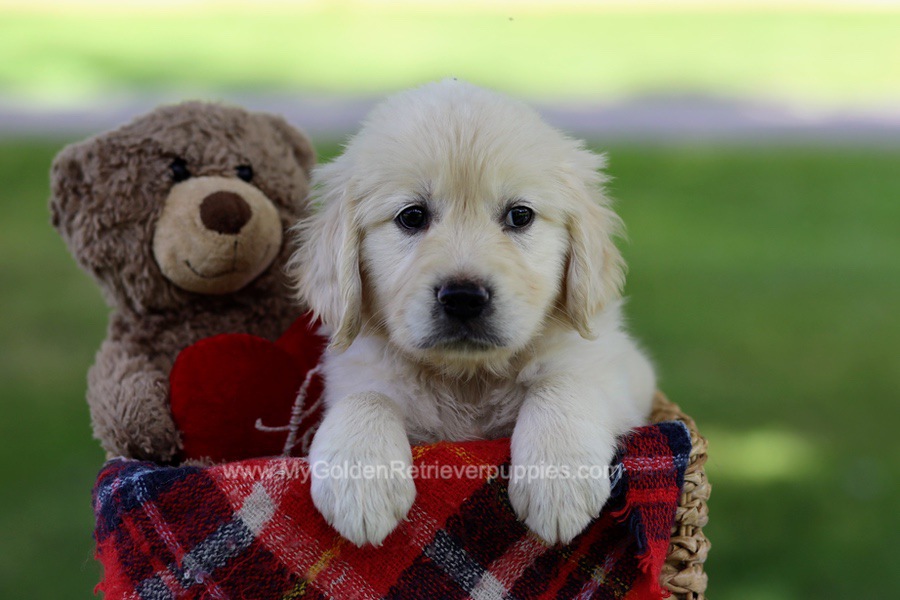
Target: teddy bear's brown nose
x,y
225,212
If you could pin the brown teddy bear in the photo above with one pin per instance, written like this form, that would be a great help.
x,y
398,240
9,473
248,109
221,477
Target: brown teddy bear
x,y
181,216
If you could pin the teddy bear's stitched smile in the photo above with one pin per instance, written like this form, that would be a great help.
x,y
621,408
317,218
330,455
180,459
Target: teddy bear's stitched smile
x,y
233,268
214,276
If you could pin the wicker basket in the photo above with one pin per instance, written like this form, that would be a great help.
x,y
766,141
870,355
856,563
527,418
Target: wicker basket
x,y
683,573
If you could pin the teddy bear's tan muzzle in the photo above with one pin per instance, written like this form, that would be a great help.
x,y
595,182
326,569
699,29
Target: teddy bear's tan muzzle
x,y
216,234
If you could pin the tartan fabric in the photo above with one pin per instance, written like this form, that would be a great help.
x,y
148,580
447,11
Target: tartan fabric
x,y
249,530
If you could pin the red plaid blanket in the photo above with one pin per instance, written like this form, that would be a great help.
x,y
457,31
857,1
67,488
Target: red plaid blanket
x,y
249,530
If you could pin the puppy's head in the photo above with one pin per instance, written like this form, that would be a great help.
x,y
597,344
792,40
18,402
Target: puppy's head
x,y
460,226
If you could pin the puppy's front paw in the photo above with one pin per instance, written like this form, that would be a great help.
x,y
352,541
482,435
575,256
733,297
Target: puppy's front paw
x,y
363,497
559,478
557,508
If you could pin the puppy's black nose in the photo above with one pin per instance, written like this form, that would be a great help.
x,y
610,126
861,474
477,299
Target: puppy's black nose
x,y
463,299
225,212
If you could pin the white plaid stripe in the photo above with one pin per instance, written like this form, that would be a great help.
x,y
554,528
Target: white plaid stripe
x,y
489,588
257,509
503,573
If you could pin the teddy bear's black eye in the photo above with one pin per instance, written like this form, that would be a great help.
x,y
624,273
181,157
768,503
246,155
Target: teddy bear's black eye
x,y
245,172
179,170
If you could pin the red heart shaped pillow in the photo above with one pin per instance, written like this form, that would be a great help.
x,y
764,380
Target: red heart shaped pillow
x,y
233,396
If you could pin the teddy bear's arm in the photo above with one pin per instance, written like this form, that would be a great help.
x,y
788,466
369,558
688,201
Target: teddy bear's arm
x,y
128,395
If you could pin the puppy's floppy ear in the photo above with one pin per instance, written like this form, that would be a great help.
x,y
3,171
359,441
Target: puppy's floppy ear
x,y
595,272
325,265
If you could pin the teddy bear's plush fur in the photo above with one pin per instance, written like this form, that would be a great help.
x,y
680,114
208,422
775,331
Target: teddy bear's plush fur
x,y
180,216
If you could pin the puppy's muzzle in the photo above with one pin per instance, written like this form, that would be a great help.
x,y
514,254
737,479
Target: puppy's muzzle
x,y
463,299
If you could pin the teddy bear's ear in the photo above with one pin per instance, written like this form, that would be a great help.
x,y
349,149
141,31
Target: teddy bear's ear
x,y
67,187
298,141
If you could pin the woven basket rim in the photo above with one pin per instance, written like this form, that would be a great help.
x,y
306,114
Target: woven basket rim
x,y
683,573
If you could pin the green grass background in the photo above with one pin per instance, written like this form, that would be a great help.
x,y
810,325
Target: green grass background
x,y
764,281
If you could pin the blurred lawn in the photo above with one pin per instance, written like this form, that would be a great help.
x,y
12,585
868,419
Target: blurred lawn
x,y
60,54
765,282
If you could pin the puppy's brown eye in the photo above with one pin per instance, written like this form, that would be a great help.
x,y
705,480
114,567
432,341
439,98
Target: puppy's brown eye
x,y
245,172
413,218
179,169
518,217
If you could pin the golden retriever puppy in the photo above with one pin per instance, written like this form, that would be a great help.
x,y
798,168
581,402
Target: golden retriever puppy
x,y
462,258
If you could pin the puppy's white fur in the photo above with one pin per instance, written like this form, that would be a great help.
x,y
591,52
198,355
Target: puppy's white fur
x,y
559,375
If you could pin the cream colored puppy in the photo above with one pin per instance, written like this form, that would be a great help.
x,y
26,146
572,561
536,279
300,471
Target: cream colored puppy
x,y
462,257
